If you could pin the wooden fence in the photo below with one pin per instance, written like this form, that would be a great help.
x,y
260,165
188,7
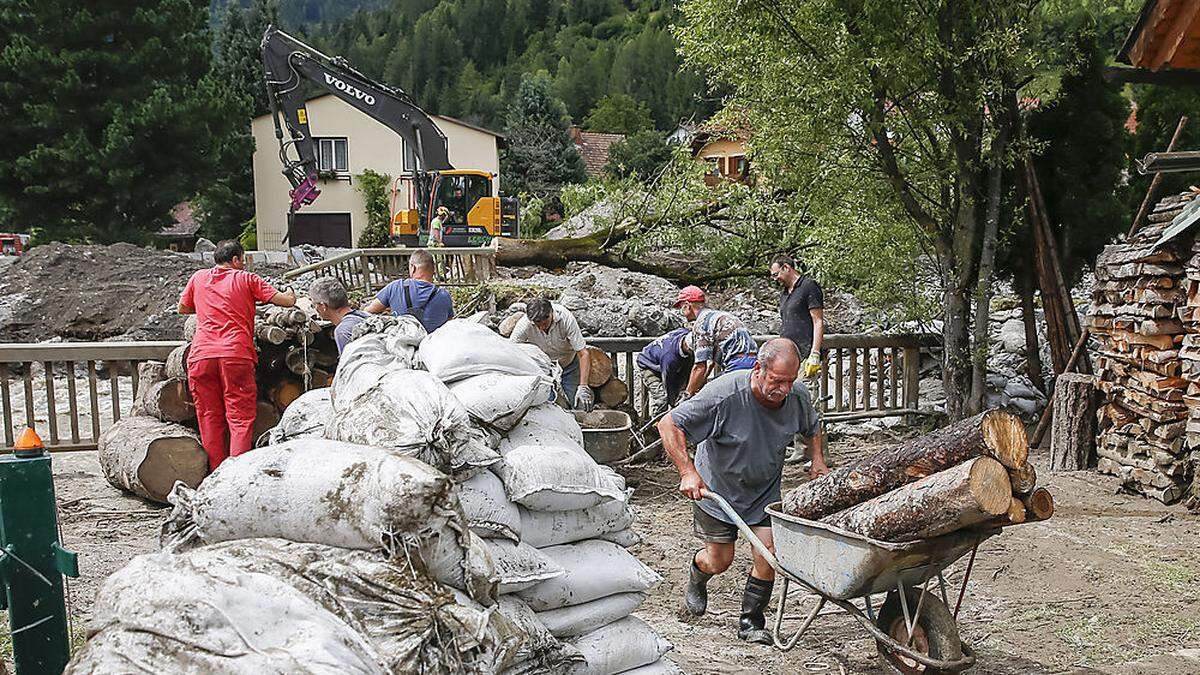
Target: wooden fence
x,y
862,376
370,269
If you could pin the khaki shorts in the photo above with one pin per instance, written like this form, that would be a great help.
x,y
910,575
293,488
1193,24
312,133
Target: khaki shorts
x,y
707,528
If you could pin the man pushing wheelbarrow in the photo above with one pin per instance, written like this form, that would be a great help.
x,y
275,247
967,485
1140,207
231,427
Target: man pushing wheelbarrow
x,y
742,424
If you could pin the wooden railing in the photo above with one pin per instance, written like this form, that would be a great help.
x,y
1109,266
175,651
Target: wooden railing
x,y
88,373
370,269
862,376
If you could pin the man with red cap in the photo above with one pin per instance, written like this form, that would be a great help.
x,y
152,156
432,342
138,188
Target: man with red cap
x,y
222,357
720,341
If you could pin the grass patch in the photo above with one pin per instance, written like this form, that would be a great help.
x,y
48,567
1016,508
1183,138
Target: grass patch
x,y
1172,578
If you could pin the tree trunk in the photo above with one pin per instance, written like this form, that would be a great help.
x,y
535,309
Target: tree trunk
x,y
987,257
169,401
1023,479
177,362
956,350
1039,505
146,456
1033,349
969,493
601,370
1016,511
149,373
613,393
1073,427
994,433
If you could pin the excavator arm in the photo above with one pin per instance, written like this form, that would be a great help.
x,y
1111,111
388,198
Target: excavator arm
x,y
288,63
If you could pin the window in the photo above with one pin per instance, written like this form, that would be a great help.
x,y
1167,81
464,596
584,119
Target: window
x,y
331,155
739,165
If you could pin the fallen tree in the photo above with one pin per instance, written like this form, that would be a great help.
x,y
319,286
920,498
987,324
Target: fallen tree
x,y
146,456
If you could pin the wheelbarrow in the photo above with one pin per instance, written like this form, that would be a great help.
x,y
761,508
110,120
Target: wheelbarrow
x,y
915,630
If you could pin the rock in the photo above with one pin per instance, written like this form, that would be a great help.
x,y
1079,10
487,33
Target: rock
x,y
1012,336
930,389
994,400
996,382
204,246
585,222
1028,408
1020,387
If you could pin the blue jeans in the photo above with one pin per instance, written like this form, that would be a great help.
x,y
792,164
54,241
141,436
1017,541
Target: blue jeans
x,y
570,381
741,363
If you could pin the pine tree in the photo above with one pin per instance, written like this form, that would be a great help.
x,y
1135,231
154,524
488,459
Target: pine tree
x,y
540,157
113,115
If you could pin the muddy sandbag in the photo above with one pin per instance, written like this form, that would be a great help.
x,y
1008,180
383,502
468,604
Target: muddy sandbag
x,y
663,666
305,417
538,652
146,456
487,507
542,424
461,349
550,528
591,570
337,494
625,538
621,646
501,400
519,566
413,413
165,613
556,478
588,616
412,621
379,345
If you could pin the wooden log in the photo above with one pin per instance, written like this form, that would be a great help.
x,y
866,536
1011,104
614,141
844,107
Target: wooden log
x,y
265,332
168,400
177,362
150,373
972,492
601,370
613,393
266,416
1039,504
189,327
320,378
283,392
145,456
508,325
299,360
994,433
1016,511
1073,436
1023,479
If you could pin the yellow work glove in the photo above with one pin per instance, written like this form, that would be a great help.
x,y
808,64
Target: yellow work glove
x,y
812,365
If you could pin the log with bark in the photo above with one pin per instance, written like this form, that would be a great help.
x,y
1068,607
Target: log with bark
x,y
613,393
1039,505
149,373
177,362
1073,431
994,433
509,324
169,401
146,456
973,492
600,367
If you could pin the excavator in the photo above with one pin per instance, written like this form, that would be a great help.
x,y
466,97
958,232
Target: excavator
x,y
476,213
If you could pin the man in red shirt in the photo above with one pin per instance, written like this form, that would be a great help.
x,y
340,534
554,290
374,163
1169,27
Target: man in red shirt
x,y
222,356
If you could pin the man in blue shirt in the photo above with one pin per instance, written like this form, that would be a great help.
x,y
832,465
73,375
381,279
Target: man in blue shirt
x,y
664,367
417,295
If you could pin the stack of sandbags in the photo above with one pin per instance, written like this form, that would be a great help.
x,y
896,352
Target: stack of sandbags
x,y
1147,366
556,522
973,473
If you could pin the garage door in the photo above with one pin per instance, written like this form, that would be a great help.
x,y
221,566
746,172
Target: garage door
x,y
321,229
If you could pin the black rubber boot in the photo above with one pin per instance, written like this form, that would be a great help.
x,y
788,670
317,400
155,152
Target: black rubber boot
x,y
752,625
695,598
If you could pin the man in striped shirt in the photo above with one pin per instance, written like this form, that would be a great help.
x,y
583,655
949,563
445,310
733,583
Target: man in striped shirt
x,y
720,340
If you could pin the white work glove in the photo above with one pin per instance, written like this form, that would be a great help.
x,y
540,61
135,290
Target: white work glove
x,y
812,365
584,400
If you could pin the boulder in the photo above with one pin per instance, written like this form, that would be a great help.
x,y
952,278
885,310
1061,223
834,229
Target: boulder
x,y
1012,336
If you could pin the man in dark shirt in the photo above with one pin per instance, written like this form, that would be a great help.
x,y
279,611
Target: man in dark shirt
x,y
664,366
801,309
417,295
332,304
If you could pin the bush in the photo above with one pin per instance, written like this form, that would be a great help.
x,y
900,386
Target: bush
x,y
249,236
374,189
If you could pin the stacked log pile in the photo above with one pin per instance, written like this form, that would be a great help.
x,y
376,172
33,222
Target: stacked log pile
x,y
972,474
158,443
1148,365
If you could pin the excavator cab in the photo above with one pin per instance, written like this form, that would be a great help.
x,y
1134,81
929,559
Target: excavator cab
x,y
476,214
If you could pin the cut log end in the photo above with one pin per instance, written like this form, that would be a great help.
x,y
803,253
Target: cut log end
x,y
990,486
169,460
1039,505
1004,434
1016,511
1024,479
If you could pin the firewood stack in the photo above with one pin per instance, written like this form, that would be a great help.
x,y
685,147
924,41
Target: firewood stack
x,y
972,474
1148,366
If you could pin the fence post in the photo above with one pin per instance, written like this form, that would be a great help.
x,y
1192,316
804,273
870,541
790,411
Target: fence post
x,y
912,372
365,268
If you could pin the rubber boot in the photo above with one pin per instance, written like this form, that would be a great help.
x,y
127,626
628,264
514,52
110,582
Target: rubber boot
x,y
695,598
752,625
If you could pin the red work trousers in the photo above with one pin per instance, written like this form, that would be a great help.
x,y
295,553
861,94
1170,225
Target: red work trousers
x,y
224,392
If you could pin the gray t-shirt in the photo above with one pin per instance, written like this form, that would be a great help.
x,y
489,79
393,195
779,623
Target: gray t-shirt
x,y
741,443
341,334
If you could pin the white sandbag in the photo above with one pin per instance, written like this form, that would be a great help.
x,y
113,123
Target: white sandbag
x,y
538,652
337,494
488,509
163,613
621,646
460,349
501,400
411,412
371,355
550,528
663,666
592,569
587,617
519,566
557,479
544,422
304,417
624,538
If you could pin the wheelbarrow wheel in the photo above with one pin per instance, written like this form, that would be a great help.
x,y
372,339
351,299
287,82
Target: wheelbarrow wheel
x,y
935,633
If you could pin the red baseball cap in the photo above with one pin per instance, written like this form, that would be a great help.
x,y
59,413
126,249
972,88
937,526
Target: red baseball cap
x,y
689,294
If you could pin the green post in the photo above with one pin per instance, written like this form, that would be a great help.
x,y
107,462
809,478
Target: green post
x,y
32,563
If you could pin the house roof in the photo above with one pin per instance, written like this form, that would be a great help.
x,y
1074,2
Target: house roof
x,y
185,224
593,147
1165,37
455,120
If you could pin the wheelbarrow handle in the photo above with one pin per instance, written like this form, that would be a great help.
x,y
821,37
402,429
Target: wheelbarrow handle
x,y
743,528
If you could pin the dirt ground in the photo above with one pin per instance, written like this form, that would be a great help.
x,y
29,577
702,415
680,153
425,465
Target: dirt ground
x,y
1109,585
